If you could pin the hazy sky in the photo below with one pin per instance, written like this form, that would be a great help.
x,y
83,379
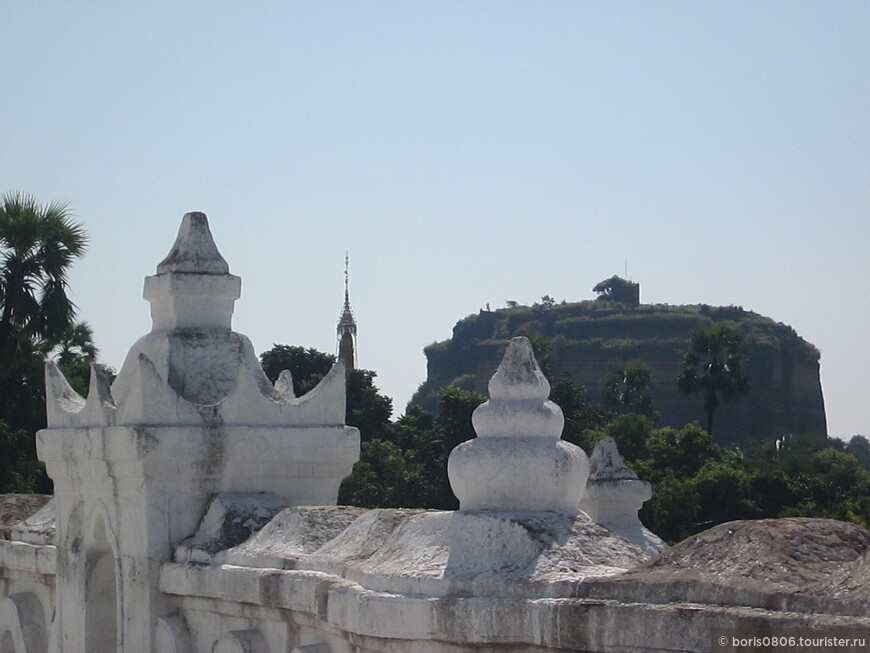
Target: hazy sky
x,y
463,153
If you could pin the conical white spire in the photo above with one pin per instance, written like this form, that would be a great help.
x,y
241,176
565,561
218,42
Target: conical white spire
x,y
193,287
194,250
614,494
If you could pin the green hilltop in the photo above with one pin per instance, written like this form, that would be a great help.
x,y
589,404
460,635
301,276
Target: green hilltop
x,y
585,338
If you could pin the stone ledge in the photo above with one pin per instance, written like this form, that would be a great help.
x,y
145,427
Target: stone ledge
x,y
36,558
792,565
555,624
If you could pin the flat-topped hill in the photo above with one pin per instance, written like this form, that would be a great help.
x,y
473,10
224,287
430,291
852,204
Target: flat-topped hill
x,y
585,337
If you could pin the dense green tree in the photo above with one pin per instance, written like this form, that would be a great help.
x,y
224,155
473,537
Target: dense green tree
x,y
306,366
672,513
631,432
806,476
38,244
409,428
723,493
367,408
713,366
408,468
75,354
771,490
20,471
386,476
859,447
696,483
452,427
580,413
682,452
77,344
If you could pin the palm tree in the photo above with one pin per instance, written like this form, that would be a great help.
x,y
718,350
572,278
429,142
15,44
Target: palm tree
x,y
627,386
77,345
38,244
713,366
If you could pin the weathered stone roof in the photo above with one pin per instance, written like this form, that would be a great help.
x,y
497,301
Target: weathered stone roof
x,y
18,507
417,552
795,564
27,517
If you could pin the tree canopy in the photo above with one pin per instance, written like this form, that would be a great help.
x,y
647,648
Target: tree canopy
x,y
617,289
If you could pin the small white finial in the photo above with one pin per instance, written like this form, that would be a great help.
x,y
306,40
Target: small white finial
x,y
519,404
606,463
519,376
194,250
614,495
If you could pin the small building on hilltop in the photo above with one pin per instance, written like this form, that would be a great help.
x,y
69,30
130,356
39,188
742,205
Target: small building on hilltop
x,y
617,289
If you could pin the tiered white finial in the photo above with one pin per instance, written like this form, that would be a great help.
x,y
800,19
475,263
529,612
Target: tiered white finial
x,y
614,494
518,461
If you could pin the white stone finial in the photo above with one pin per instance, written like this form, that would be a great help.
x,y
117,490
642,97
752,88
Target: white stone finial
x,y
194,250
606,463
519,376
614,494
518,461
193,287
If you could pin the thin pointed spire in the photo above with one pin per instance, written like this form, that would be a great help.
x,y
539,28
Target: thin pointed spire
x,y
346,329
346,280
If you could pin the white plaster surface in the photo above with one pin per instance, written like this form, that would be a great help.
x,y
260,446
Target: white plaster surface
x,y
427,553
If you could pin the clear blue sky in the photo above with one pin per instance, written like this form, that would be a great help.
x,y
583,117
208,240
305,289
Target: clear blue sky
x,y
463,153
